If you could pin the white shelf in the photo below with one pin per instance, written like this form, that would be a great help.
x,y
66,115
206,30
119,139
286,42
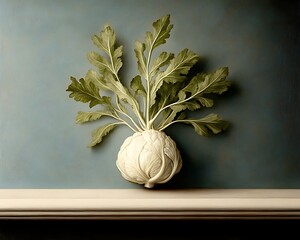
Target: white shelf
x,y
149,204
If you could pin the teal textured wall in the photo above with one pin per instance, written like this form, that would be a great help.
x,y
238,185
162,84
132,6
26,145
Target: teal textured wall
x,y
43,43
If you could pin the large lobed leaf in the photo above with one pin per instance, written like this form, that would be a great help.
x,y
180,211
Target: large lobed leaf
x,y
204,83
161,32
193,95
85,92
83,117
208,125
99,133
176,71
137,86
105,40
141,59
162,60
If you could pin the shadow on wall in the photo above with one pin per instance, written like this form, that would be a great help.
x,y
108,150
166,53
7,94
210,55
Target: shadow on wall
x,y
195,166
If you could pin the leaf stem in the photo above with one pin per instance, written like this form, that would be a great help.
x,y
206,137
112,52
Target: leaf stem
x,y
112,63
148,125
124,122
141,120
134,123
172,104
165,121
176,121
117,117
148,104
119,110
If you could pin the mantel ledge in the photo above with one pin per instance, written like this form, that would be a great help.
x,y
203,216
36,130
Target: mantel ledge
x,y
126,204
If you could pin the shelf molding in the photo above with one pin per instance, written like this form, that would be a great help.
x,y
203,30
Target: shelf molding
x,y
133,204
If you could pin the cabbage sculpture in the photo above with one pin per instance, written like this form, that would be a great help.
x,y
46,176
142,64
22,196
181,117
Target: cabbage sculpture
x,y
161,94
149,157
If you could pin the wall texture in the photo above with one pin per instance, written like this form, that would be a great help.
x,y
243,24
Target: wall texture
x,y
43,43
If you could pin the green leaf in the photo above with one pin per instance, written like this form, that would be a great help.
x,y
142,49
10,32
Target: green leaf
x,y
214,82
165,95
93,76
206,102
191,105
176,71
168,93
120,105
207,125
179,67
137,86
84,92
116,59
83,117
118,88
161,32
122,92
106,39
99,61
106,42
141,60
162,60
170,114
99,133
193,86
182,115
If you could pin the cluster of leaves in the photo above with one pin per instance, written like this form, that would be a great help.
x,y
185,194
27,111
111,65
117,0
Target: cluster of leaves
x,y
160,95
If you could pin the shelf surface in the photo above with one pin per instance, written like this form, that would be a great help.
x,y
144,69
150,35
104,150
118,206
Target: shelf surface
x,y
149,204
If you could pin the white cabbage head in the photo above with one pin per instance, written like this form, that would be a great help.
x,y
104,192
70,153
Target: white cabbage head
x,y
149,157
